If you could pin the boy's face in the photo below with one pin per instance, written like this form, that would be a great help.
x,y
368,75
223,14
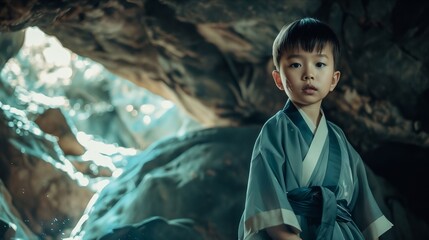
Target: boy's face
x,y
307,77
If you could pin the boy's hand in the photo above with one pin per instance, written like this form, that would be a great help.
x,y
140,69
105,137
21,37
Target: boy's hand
x,y
282,232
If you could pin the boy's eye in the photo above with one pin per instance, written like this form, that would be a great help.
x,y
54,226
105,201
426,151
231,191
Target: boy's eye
x,y
295,65
320,64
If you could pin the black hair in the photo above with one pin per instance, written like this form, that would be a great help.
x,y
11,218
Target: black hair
x,y
307,33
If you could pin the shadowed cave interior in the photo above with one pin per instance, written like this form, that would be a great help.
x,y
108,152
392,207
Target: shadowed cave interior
x,y
144,125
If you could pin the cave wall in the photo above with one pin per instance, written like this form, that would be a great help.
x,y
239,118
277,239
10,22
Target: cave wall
x,y
213,58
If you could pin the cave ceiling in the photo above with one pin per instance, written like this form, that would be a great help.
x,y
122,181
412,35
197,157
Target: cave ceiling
x,y
213,58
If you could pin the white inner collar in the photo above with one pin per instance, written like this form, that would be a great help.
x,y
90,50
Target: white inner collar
x,y
307,119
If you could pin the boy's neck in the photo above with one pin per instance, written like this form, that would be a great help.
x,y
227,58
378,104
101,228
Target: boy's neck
x,y
313,112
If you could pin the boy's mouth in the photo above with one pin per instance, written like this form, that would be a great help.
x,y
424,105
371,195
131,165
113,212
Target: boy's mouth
x,y
309,89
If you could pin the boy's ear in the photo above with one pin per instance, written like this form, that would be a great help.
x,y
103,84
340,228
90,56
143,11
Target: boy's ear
x,y
335,80
277,79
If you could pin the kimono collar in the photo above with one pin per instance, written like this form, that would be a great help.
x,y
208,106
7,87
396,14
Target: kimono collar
x,y
301,120
307,120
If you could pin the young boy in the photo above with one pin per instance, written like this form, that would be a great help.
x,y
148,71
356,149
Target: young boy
x,y
306,181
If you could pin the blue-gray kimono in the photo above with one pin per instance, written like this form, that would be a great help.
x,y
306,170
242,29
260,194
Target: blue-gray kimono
x,y
310,179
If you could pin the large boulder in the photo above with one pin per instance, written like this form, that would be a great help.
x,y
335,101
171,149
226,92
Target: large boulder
x,y
200,176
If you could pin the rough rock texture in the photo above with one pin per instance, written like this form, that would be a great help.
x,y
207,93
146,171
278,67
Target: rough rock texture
x,y
200,176
39,179
213,59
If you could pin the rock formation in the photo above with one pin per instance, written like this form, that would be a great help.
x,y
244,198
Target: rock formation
x,y
213,59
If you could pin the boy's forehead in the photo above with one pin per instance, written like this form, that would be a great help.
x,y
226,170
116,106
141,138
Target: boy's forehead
x,y
317,49
326,50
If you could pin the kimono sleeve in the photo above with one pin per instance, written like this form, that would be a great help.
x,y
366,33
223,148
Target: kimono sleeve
x,y
366,212
266,200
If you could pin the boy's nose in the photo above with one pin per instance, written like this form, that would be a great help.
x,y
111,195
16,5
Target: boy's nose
x,y
308,76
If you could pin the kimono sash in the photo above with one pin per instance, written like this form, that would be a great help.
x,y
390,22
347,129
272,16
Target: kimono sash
x,y
320,204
